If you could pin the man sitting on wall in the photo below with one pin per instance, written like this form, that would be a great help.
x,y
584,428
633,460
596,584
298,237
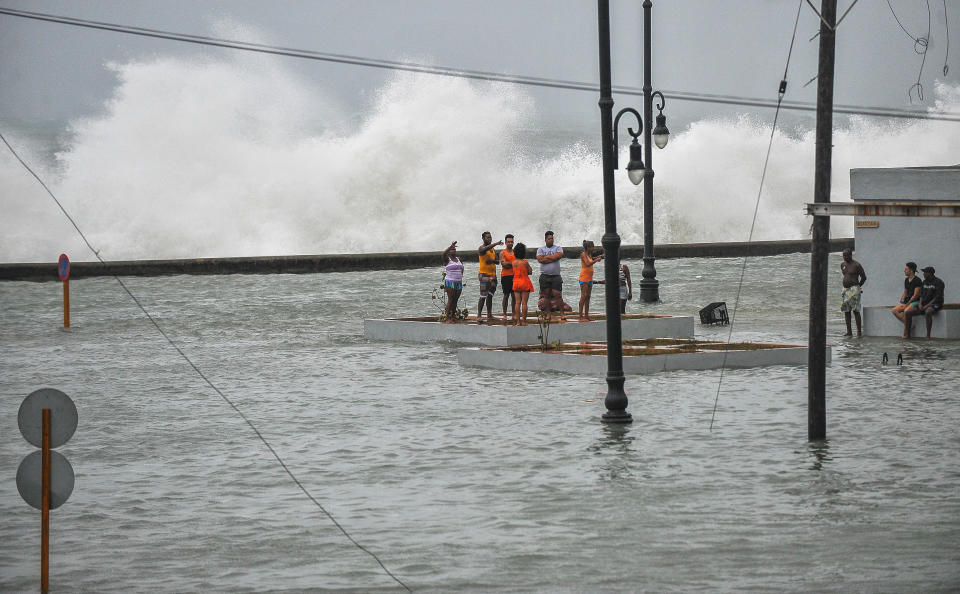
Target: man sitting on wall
x,y
910,297
931,299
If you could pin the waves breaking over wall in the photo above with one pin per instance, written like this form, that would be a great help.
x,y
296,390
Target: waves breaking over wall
x,y
238,156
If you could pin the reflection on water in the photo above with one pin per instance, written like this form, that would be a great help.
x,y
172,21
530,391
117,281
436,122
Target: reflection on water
x,y
820,452
613,449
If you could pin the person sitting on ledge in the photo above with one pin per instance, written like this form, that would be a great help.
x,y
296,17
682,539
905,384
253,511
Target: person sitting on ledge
x,y
931,299
910,297
558,304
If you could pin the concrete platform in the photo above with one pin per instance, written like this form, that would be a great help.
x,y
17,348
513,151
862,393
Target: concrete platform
x,y
878,321
577,362
633,326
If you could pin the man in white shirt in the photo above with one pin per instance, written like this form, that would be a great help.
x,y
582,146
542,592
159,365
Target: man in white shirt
x,y
551,283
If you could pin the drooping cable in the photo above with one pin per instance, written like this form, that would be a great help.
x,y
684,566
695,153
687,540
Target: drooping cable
x,y
920,46
478,74
781,91
946,54
203,376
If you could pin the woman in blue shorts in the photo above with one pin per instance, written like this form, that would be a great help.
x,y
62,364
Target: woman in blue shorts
x,y
452,282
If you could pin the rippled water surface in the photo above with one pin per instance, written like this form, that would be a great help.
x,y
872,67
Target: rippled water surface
x,y
468,479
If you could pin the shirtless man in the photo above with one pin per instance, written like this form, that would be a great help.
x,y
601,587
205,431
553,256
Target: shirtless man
x,y
853,279
487,275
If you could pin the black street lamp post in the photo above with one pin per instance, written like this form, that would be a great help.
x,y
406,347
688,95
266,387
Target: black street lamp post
x,y
649,285
616,399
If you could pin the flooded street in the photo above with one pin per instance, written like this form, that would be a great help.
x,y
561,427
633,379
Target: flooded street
x,y
469,479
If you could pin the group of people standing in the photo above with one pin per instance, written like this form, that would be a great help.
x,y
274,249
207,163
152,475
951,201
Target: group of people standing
x,y
920,297
515,278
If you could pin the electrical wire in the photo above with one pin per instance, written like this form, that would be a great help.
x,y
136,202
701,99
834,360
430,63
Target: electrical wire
x,y
923,61
478,74
946,54
203,376
743,269
920,46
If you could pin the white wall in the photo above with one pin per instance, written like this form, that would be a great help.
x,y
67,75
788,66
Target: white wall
x,y
929,241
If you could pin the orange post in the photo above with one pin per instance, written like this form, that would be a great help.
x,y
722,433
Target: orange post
x,y
66,303
45,506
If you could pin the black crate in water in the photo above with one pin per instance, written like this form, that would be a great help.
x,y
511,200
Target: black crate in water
x,y
715,313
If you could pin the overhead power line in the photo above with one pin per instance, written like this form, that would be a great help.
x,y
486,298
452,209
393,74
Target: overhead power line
x,y
476,74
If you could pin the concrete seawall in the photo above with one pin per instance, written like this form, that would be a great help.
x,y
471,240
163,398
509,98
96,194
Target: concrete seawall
x,y
47,271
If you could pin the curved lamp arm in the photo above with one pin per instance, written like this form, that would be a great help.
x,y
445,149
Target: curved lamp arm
x,y
663,101
616,127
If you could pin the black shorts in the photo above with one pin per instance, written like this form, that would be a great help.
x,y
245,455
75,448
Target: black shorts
x,y
551,281
507,283
932,308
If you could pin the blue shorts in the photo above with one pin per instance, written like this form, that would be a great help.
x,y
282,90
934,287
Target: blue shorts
x,y
586,283
455,285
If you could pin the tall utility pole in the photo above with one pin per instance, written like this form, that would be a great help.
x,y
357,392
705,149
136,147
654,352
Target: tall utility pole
x,y
820,250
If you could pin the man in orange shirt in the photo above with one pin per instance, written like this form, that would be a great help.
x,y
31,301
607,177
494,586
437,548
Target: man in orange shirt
x,y
506,274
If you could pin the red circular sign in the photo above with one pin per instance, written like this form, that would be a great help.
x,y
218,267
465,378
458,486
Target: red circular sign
x,y
63,267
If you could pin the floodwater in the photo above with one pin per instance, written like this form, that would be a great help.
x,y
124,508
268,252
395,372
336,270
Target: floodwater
x,y
469,479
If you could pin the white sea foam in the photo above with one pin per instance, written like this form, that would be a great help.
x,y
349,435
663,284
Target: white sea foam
x,y
238,156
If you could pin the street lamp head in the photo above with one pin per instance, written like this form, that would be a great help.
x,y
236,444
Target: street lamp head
x,y
635,168
660,133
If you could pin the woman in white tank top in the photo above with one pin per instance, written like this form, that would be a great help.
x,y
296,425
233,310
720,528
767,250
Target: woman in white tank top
x,y
452,282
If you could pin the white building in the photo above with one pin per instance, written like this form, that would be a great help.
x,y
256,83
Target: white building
x,y
901,215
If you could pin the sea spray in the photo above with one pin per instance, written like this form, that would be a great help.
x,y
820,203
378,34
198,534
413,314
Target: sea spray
x,y
239,156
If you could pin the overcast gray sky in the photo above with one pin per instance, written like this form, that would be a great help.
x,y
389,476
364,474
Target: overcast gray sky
x,y
56,72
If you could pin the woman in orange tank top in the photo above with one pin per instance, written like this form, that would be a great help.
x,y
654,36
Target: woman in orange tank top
x,y
522,286
586,280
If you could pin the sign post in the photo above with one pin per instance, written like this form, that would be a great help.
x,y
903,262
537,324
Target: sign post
x,y
63,269
45,506
47,419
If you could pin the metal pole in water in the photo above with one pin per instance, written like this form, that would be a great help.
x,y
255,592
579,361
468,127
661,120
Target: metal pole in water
x,y
616,399
820,250
66,303
45,504
649,285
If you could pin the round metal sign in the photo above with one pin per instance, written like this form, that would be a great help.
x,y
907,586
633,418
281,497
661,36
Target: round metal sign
x,y
63,417
63,267
30,479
